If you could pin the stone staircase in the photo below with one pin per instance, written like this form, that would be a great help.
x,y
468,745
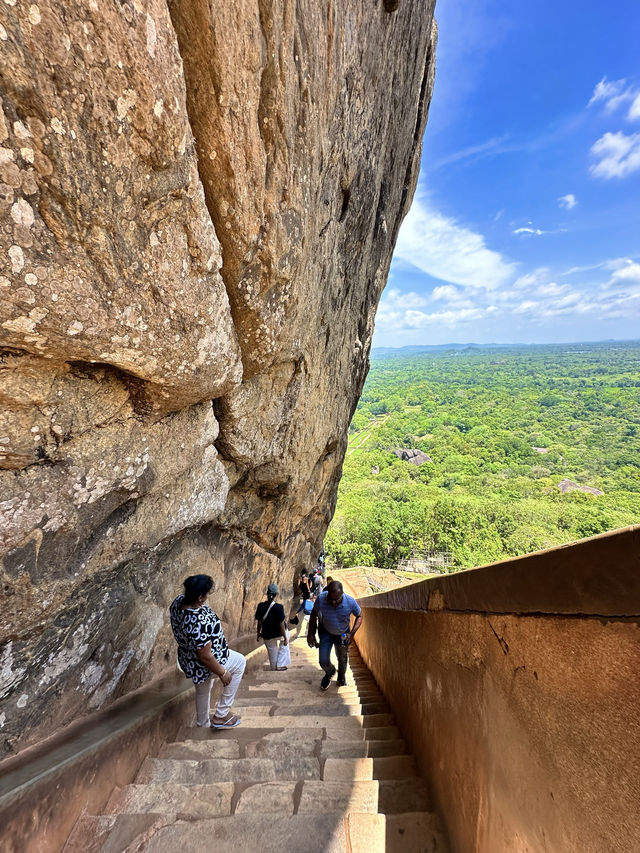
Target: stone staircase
x,y
307,772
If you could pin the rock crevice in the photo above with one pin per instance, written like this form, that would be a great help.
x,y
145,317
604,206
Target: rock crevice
x,y
198,205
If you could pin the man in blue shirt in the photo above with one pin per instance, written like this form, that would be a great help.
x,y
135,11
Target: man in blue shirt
x,y
334,610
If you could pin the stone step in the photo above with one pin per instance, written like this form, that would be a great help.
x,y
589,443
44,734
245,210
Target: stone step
x,y
311,692
267,679
212,770
291,744
268,798
382,733
242,702
366,832
348,723
397,796
299,733
332,707
309,696
337,796
114,833
240,733
315,707
362,748
304,833
194,801
394,767
292,688
307,771
347,769
390,767
298,685
414,832
197,750
362,684
377,720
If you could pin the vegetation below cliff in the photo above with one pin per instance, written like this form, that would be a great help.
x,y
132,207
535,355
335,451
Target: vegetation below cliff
x,y
503,426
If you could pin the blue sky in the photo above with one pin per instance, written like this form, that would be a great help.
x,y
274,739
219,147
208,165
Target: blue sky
x,y
526,223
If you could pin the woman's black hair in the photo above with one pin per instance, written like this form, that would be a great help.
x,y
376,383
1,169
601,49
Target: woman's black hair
x,y
195,586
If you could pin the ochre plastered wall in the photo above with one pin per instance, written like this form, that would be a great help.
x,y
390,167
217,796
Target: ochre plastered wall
x,y
527,725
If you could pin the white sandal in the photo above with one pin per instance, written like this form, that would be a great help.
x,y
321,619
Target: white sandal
x,y
228,722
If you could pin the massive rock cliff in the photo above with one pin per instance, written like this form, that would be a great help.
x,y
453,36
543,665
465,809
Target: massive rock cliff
x,y
198,205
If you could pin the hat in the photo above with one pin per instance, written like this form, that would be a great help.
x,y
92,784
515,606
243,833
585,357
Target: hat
x,y
272,589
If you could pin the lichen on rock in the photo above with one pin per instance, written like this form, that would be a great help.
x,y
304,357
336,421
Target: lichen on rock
x,y
198,204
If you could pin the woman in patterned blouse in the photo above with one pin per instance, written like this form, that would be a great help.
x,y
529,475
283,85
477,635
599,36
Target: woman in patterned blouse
x,y
203,651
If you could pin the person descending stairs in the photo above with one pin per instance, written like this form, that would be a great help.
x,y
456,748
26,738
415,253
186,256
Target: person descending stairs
x,y
307,772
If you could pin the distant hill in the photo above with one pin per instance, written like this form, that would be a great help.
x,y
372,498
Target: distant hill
x,y
416,349
380,352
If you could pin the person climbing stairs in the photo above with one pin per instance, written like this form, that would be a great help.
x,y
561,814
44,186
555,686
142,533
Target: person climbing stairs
x,y
306,772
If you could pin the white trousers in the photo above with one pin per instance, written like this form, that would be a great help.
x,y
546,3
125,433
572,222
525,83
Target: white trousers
x,y
235,666
303,625
279,654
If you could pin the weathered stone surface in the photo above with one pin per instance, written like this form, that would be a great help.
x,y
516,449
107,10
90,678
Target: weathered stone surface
x,y
326,797
211,770
308,833
194,801
567,485
345,769
414,831
267,798
112,254
412,455
198,205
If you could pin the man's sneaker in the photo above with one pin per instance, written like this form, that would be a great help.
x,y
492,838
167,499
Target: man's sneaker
x,y
326,679
342,682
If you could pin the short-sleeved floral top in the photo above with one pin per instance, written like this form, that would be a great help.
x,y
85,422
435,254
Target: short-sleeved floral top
x,y
193,629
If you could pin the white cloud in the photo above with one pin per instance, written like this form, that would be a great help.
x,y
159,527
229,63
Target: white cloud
x,y
634,109
531,232
448,293
625,278
531,300
567,201
630,272
472,152
618,155
395,297
527,307
444,249
531,279
613,93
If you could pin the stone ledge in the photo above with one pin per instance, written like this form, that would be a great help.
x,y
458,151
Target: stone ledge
x,y
599,577
45,789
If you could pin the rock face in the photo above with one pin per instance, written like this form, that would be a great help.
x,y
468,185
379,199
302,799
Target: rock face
x,y
569,486
412,455
198,206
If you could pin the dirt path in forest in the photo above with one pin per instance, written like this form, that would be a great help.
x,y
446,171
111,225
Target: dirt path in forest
x,y
368,435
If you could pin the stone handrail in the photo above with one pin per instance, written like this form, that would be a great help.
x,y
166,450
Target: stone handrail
x,y
45,789
517,688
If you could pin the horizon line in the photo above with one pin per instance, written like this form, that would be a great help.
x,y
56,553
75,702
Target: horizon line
x,y
511,344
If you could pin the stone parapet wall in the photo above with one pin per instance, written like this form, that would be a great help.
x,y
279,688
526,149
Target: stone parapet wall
x,y
45,789
516,685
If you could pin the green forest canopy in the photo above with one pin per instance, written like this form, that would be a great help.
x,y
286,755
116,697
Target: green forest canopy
x,y
502,426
